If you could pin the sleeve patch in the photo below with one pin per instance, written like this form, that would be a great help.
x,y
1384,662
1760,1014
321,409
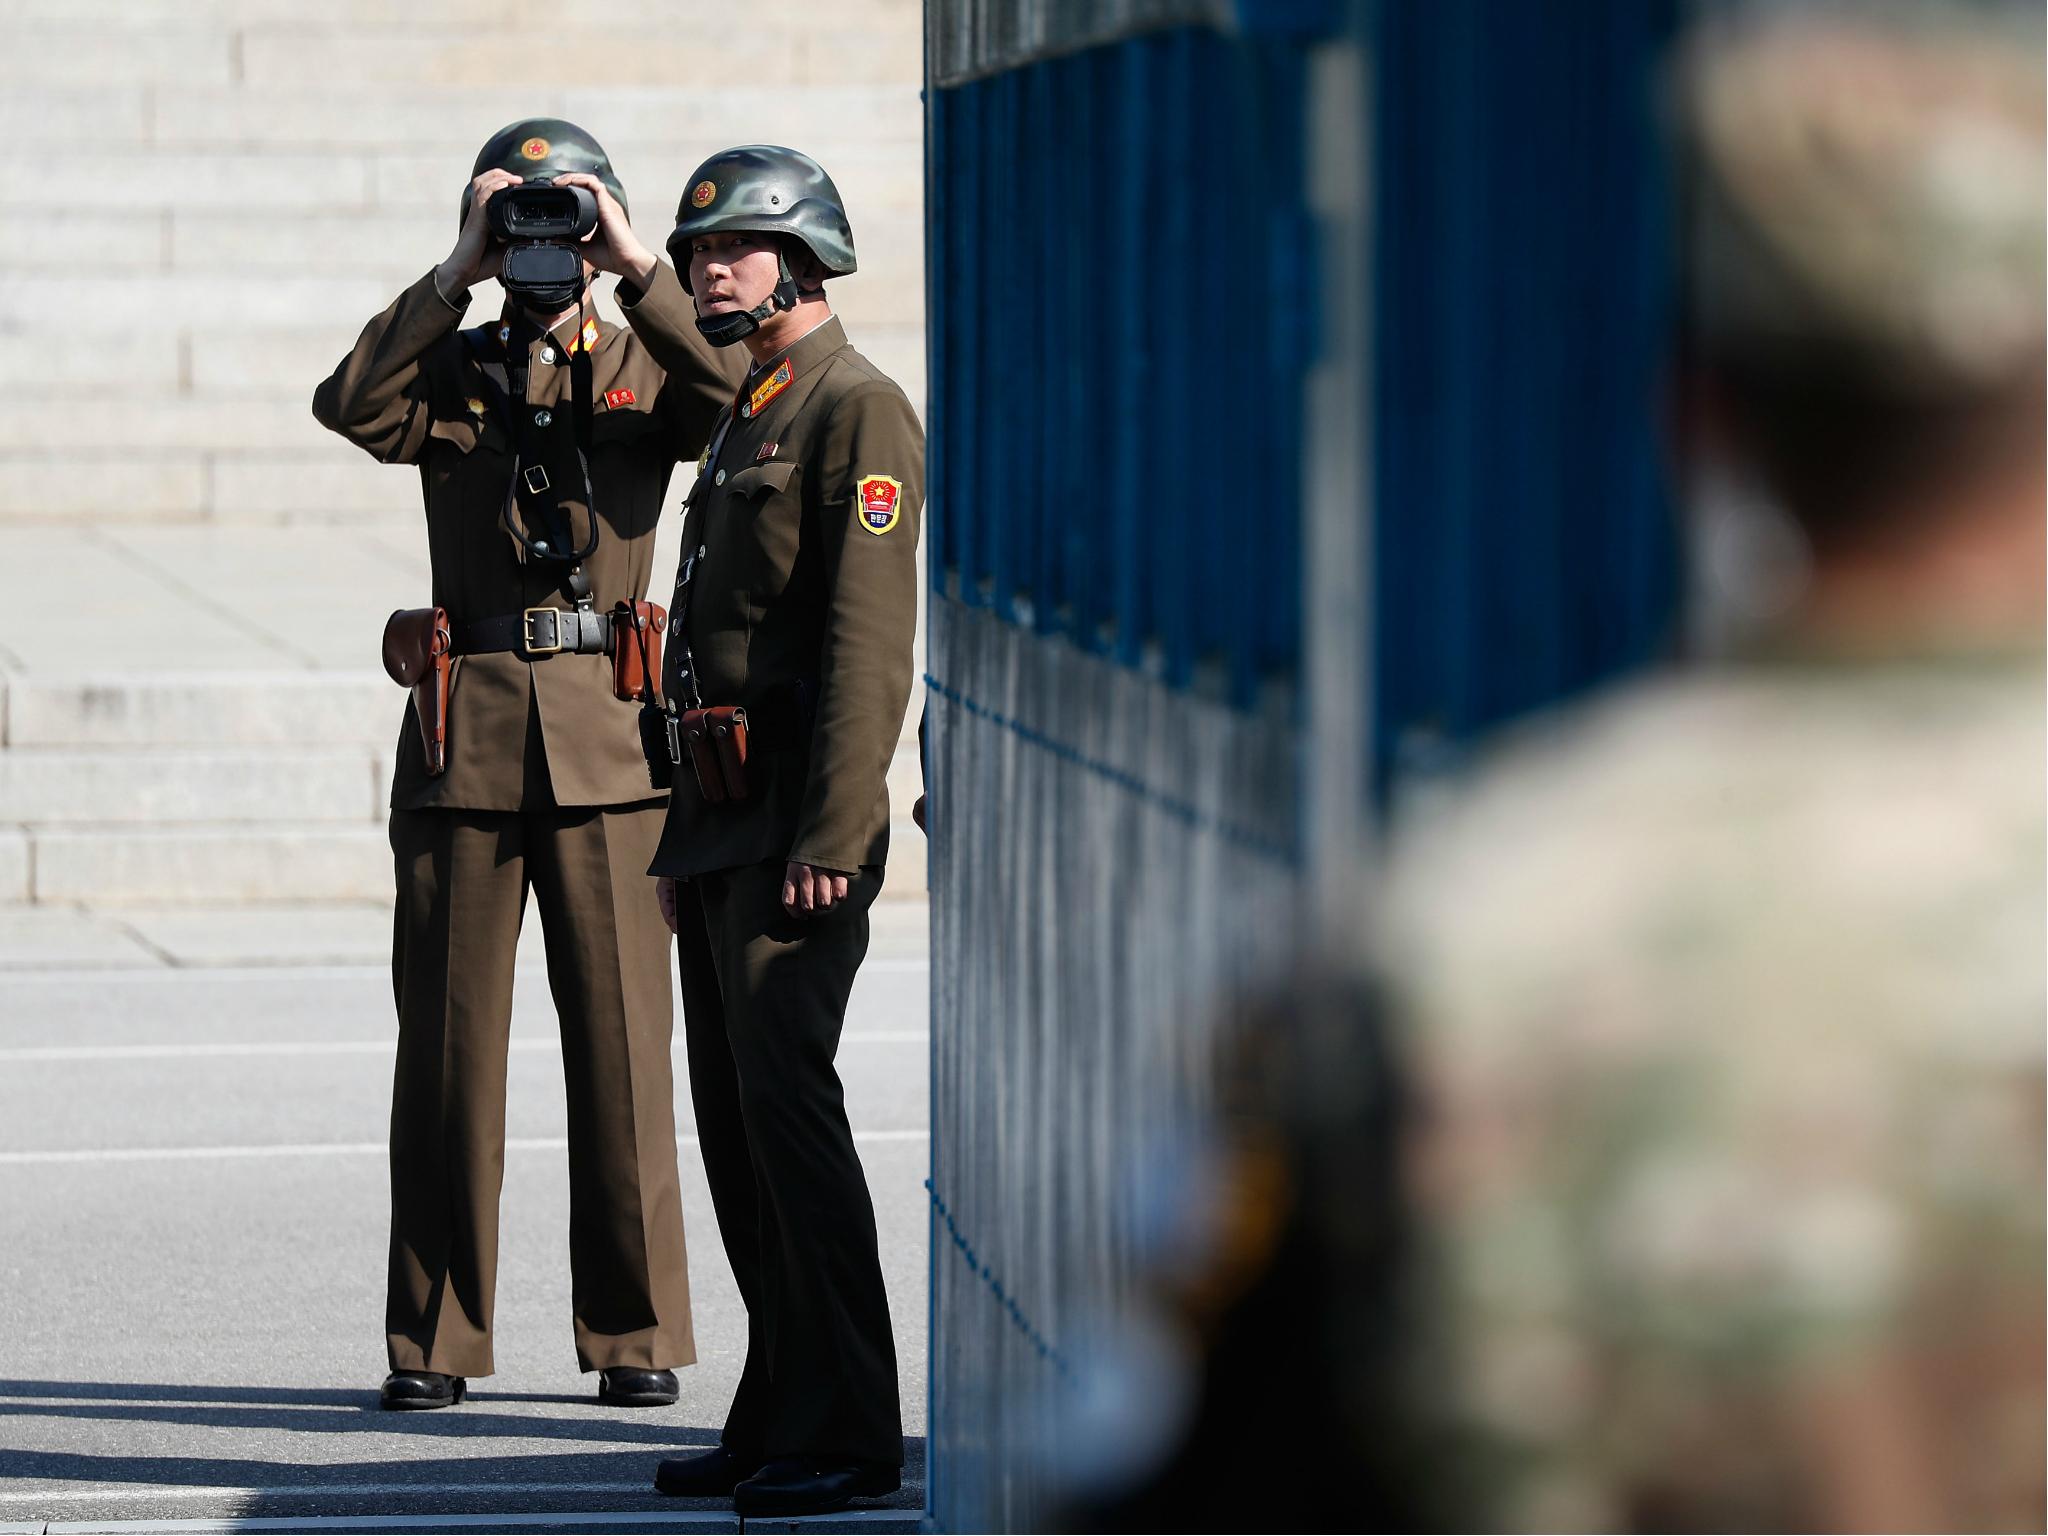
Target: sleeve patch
x,y
879,497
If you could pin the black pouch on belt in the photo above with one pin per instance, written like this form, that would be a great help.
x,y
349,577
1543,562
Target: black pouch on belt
x,y
661,772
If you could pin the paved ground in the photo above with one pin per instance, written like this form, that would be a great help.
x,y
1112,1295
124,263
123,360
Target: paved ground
x,y
192,1227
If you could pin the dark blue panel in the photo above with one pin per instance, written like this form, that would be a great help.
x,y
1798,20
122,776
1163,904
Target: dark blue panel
x,y
1122,314
1524,546
1117,325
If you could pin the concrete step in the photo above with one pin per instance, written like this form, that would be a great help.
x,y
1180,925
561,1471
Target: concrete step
x,y
14,865
542,20
201,709
222,710
221,425
171,785
313,482
295,785
116,865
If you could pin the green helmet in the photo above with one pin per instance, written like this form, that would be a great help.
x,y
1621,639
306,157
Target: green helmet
x,y
765,188
536,147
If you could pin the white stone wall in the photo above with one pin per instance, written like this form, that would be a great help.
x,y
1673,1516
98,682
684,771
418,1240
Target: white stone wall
x,y
211,196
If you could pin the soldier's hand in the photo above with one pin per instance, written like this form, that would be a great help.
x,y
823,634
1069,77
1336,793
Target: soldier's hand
x,y
808,890
665,898
476,256
612,246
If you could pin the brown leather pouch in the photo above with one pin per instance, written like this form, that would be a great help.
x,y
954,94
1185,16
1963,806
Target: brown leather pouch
x,y
729,733
717,742
417,654
637,629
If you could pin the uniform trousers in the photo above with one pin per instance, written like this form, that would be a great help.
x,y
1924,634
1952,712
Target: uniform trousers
x,y
463,878
764,1000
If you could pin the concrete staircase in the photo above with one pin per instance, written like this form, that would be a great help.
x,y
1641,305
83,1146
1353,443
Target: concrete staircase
x,y
175,781
225,191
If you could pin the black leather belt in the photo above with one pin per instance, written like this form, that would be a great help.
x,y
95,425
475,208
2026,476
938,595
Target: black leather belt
x,y
538,632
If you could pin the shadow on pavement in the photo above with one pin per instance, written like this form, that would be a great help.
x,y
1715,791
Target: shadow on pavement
x,y
258,1486
362,1416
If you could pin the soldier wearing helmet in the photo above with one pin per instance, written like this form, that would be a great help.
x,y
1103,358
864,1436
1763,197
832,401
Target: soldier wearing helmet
x,y
545,440
795,607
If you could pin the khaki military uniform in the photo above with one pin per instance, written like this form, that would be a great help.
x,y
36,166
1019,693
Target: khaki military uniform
x,y
546,789
802,607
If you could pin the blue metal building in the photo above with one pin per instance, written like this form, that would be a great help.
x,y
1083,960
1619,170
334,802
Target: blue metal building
x,y
1293,403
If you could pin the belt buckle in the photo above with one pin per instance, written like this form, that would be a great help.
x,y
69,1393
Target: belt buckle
x,y
533,646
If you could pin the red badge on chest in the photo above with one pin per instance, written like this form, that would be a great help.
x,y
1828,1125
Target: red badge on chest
x,y
614,399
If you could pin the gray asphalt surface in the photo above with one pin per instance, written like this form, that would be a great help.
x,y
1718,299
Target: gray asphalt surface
x,y
193,1216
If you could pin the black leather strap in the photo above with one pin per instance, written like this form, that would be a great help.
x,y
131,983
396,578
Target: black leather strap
x,y
538,633
540,479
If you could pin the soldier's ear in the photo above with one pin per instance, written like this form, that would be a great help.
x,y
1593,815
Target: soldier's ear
x,y
805,267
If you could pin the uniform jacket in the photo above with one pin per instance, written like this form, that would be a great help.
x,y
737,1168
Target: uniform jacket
x,y
806,588
412,392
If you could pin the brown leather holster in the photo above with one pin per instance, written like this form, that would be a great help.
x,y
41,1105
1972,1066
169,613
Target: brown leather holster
x,y
716,741
637,629
418,647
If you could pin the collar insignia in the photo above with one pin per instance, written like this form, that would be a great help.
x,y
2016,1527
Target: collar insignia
x,y
769,388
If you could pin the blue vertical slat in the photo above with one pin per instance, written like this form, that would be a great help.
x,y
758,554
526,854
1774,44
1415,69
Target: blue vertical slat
x,y
1181,338
966,450
1275,93
1009,360
1215,478
1080,451
1131,359
1051,271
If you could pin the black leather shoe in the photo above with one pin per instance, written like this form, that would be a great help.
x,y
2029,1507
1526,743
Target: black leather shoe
x,y
627,1386
422,1389
711,1474
792,1486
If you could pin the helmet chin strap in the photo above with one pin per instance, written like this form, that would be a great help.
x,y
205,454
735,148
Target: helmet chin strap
x,y
724,330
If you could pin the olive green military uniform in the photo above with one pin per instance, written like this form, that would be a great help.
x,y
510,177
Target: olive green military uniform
x,y
546,789
801,607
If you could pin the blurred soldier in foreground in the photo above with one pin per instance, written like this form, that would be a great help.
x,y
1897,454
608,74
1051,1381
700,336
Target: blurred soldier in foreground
x,y
1728,990
789,671
544,442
